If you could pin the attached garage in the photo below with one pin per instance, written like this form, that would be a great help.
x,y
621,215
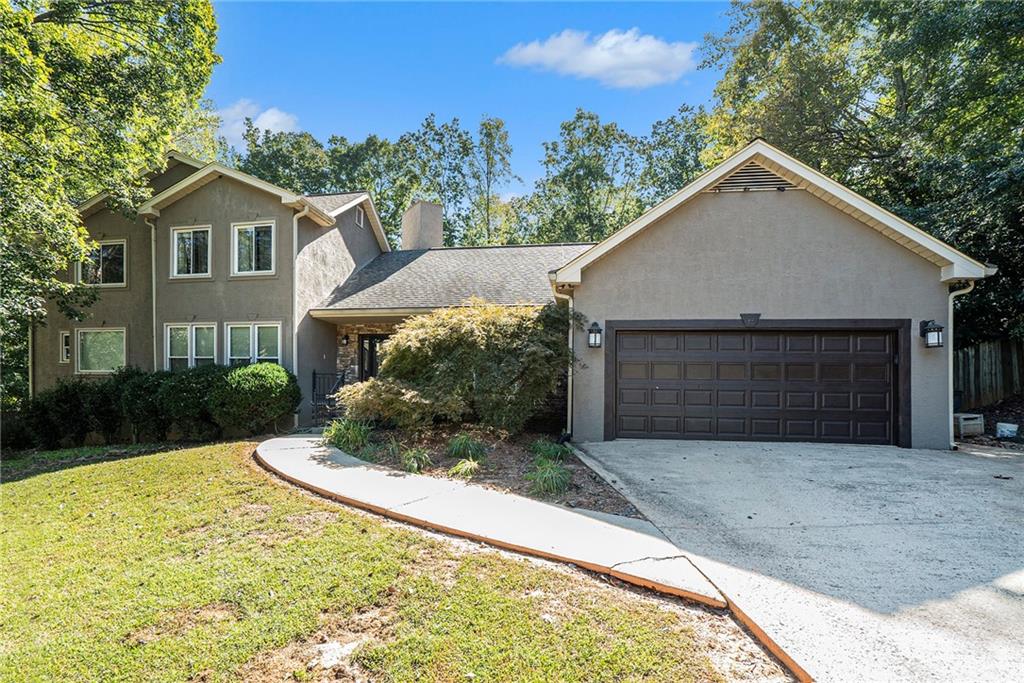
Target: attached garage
x,y
765,301
838,382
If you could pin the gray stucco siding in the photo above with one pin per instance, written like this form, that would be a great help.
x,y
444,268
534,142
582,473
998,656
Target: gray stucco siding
x,y
785,255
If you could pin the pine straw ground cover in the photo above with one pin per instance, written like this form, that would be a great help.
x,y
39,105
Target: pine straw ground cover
x,y
195,564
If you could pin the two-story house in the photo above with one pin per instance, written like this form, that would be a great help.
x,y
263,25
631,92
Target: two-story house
x,y
763,301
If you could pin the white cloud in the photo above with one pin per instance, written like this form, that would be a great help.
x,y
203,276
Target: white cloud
x,y
618,59
232,120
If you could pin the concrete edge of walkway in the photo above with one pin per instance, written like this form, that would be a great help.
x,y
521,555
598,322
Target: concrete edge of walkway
x,y
759,633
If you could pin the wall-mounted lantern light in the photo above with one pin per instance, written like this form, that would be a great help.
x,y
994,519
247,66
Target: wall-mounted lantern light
x,y
594,336
931,332
344,340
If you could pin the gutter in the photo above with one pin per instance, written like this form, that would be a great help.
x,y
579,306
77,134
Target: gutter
x,y
572,349
949,351
152,284
295,296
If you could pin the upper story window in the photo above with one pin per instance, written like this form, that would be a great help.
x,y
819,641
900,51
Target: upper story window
x,y
360,216
190,251
106,265
65,346
100,350
252,248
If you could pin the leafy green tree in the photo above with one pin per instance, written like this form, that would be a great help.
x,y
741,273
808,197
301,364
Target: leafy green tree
x,y
491,167
671,154
294,161
90,96
916,105
198,135
590,185
443,160
385,169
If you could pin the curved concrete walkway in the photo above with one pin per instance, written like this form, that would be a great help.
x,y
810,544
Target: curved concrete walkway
x,y
631,550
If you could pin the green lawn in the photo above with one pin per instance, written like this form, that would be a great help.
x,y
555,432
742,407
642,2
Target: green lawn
x,y
195,563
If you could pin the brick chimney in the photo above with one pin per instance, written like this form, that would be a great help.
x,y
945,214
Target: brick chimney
x,y
421,226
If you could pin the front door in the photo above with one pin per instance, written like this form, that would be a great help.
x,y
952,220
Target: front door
x,y
369,355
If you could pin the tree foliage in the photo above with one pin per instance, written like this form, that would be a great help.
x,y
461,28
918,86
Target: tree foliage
x,y
91,94
919,106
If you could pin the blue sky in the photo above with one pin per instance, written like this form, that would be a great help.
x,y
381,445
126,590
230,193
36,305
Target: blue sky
x,y
356,69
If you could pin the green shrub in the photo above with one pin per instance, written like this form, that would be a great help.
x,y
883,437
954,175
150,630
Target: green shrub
x,y
60,412
415,459
395,403
15,434
548,477
250,398
142,407
348,435
104,403
465,468
184,398
465,447
550,450
498,362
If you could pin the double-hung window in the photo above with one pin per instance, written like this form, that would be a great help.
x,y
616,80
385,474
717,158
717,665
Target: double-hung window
x,y
106,265
252,248
100,350
65,346
253,343
188,345
190,251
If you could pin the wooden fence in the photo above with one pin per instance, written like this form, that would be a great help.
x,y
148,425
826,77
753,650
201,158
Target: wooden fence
x,y
988,371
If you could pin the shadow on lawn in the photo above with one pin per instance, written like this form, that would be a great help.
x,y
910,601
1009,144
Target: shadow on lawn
x,y
22,465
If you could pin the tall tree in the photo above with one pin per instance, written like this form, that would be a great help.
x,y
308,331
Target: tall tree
x,y
590,184
671,154
294,161
491,167
917,105
198,135
443,156
90,95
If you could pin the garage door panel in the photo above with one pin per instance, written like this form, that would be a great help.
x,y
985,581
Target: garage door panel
x,y
805,386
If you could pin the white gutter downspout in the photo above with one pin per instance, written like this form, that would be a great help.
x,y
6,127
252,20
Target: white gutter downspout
x,y
31,330
949,337
295,298
152,284
572,349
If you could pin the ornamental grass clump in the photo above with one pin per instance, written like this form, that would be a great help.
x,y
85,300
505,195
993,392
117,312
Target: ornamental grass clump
x,y
415,460
348,435
465,447
544,448
548,477
465,469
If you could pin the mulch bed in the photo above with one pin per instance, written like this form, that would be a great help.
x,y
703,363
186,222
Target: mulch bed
x,y
1010,409
508,460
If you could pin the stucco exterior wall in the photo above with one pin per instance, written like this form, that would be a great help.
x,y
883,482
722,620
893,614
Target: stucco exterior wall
x,y
325,258
780,254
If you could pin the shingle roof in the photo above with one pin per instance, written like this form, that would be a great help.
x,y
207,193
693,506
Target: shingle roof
x,y
331,202
434,278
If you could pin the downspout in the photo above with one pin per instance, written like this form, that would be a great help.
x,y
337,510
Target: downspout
x,y
572,350
152,285
31,384
295,299
949,350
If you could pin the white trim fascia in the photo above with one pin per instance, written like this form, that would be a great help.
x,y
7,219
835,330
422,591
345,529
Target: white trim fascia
x,y
172,255
173,154
186,159
78,348
955,265
348,205
273,248
112,285
190,358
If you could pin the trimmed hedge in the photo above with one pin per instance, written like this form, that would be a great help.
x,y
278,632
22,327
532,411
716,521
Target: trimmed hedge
x,y
199,401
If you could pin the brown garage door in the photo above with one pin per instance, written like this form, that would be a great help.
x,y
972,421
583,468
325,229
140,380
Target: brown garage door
x,y
829,385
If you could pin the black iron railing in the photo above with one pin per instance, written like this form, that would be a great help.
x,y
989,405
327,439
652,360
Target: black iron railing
x,y
325,385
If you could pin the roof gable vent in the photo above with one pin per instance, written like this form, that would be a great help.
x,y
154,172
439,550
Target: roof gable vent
x,y
752,176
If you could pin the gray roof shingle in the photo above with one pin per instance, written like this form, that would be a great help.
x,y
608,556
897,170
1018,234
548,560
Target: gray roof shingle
x,y
331,202
434,278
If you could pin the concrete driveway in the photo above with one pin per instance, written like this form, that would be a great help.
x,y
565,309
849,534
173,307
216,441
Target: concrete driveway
x,y
862,563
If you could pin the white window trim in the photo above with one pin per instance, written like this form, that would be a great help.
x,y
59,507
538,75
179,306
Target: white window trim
x,y
360,216
191,357
252,325
273,248
99,243
173,254
65,343
78,346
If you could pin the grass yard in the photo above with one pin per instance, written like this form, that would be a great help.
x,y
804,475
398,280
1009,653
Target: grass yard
x,y
196,565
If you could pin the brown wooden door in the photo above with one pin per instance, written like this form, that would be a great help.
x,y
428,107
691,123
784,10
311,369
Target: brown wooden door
x,y
832,386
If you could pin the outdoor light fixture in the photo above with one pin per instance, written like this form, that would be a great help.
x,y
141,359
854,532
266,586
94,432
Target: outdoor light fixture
x,y
594,336
931,332
344,340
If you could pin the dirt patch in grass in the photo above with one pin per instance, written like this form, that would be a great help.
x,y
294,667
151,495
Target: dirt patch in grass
x,y
505,467
180,622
